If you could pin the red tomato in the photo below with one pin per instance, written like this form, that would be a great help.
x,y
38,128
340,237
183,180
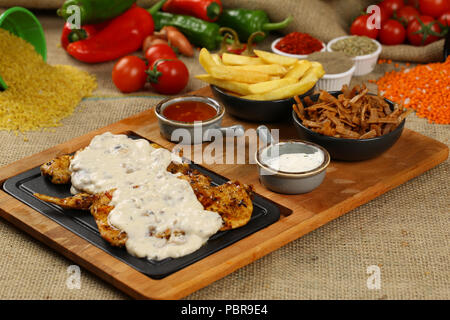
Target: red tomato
x,y
391,6
419,35
168,76
392,32
385,15
413,3
433,8
129,74
444,19
159,51
406,14
360,27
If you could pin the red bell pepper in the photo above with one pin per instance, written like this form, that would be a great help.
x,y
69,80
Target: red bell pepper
x,y
121,36
208,10
69,35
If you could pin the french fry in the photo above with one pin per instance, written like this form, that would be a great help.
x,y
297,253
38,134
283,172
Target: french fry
x,y
206,60
298,70
296,89
263,87
273,58
228,73
317,69
266,77
233,86
238,60
217,59
270,69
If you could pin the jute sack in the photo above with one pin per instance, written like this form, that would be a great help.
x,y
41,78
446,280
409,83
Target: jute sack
x,y
324,19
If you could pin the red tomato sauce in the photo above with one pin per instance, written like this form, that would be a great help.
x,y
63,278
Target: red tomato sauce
x,y
189,111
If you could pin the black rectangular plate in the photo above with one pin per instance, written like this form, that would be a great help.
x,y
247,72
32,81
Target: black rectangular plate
x,y
83,224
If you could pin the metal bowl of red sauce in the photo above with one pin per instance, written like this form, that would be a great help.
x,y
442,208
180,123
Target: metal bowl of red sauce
x,y
192,119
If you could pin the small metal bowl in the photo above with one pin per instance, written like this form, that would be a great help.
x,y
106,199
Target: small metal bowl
x,y
290,182
193,132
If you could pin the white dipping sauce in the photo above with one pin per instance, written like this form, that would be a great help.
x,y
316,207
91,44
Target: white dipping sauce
x,y
296,162
148,201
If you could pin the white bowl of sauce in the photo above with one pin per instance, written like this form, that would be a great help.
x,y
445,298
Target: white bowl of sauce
x,y
292,167
192,119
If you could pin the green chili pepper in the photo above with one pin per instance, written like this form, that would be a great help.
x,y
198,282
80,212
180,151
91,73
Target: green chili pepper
x,y
94,11
199,32
246,22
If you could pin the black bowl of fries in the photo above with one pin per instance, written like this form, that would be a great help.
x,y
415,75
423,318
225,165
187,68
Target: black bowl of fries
x,y
256,110
259,88
353,125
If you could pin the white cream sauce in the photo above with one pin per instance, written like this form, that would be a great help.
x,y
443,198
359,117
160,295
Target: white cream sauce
x,y
296,162
159,212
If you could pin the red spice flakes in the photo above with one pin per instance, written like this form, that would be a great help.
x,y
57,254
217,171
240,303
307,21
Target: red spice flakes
x,y
299,43
424,88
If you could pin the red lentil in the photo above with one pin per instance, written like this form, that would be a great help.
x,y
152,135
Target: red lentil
x,y
424,88
299,43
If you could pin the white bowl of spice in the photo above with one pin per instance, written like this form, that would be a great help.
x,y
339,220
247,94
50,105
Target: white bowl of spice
x,y
363,50
339,69
297,45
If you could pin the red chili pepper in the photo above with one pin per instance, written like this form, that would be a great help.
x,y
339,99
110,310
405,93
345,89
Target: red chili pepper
x,y
208,10
69,35
121,36
299,43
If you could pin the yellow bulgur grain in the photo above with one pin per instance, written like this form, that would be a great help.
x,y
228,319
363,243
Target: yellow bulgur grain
x,y
39,95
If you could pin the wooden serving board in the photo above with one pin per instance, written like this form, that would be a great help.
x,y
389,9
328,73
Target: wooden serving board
x,y
347,185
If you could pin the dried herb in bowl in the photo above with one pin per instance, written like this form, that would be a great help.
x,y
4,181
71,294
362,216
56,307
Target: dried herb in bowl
x,y
355,46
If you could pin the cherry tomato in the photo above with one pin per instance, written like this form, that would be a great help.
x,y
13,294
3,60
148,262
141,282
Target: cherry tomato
x,y
168,76
419,35
413,3
159,51
129,74
392,32
406,14
391,6
360,27
444,19
434,8
385,15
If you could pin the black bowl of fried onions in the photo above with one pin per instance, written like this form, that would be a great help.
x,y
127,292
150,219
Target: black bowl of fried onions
x,y
353,125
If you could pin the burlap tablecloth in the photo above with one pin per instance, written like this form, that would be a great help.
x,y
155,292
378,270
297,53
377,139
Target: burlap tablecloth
x,y
405,231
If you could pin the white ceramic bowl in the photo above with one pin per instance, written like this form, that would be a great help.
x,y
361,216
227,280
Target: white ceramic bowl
x,y
364,64
334,82
297,56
